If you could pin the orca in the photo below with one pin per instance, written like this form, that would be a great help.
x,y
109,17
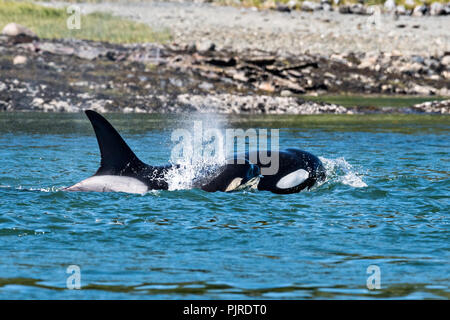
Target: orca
x,y
297,170
121,170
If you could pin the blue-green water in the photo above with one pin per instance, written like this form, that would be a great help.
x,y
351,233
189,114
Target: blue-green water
x,y
385,203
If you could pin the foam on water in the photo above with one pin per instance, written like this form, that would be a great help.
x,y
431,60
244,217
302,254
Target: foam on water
x,y
340,171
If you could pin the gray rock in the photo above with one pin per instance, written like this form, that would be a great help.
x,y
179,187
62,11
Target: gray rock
x,y
56,48
205,45
88,53
358,8
327,7
14,29
447,9
400,10
389,5
311,6
292,4
206,86
437,9
420,11
345,9
282,7
446,60
17,33
20,60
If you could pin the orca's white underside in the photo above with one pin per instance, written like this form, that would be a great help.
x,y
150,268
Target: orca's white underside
x,y
110,183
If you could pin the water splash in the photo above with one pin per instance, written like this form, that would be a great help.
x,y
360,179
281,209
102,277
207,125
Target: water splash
x,y
184,175
340,171
191,169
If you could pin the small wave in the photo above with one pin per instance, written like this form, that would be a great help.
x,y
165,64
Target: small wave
x,y
47,189
340,171
21,188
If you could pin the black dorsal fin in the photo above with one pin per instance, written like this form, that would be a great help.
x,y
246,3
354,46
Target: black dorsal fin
x,y
116,156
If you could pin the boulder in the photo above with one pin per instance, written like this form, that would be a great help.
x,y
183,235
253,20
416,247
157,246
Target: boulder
x,y
420,11
345,9
447,8
311,6
19,60
14,29
437,9
292,4
358,8
389,5
446,60
205,46
282,7
327,7
400,10
19,33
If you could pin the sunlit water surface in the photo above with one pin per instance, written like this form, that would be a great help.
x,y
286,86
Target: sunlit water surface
x,y
385,203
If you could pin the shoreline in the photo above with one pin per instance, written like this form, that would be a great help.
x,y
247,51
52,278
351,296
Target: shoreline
x,y
250,75
73,75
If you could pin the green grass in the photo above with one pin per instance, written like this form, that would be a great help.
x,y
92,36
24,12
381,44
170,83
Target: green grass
x,y
52,23
372,101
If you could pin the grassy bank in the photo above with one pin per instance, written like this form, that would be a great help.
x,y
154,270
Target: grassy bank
x,y
63,123
52,23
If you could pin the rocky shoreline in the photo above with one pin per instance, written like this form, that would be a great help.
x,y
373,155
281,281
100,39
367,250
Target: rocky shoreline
x,y
73,75
410,8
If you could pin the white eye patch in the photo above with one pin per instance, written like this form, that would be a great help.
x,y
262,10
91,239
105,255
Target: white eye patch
x,y
293,179
234,184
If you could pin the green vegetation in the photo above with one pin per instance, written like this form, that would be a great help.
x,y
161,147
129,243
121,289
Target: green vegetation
x,y
52,23
401,123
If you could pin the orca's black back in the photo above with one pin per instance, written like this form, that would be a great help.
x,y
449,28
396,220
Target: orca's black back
x,y
118,159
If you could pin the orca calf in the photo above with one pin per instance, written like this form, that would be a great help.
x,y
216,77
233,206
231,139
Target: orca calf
x,y
297,170
122,171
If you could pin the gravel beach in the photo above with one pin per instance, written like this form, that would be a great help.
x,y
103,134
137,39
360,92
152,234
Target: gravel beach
x,y
318,32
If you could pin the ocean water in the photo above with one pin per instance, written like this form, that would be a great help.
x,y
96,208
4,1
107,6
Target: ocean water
x,y
381,218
